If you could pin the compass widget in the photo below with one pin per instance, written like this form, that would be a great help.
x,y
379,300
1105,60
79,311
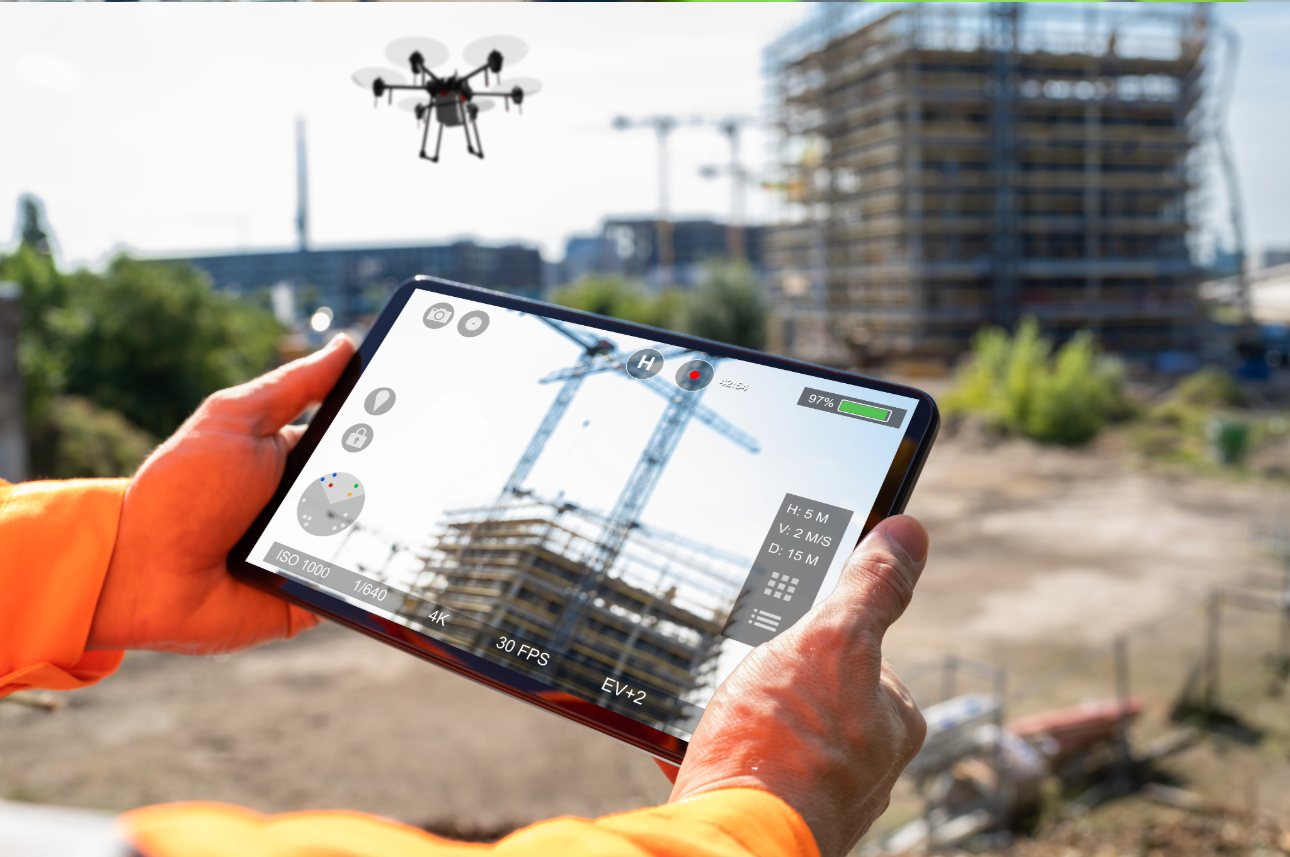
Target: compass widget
x,y
330,504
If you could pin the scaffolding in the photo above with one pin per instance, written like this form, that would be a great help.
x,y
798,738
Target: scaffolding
x,y
948,167
653,618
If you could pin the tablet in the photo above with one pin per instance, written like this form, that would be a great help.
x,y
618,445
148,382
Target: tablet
x,y
597,517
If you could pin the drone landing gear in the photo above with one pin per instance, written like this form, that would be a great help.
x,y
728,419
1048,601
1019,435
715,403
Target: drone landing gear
x,y
437,144
478,144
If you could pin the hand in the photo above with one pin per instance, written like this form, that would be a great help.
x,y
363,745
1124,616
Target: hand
x,y
815,716
167,587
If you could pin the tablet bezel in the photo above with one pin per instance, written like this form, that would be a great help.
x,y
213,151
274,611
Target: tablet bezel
x,y
920,432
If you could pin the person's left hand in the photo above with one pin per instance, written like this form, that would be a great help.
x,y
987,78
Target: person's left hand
x,y
167,587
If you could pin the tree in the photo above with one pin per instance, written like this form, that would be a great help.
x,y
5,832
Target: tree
x,y
147,340
618,297
728,305
33,231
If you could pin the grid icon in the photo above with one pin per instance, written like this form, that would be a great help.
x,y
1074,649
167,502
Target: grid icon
x,y
781,586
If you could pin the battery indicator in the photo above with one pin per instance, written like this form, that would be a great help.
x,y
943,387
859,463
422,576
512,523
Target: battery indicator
x,y
860,410
853,409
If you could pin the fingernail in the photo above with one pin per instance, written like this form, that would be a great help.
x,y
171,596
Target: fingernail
x,y
910,535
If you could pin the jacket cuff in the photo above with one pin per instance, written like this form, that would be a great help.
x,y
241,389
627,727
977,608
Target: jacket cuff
x,y
739,821
57,540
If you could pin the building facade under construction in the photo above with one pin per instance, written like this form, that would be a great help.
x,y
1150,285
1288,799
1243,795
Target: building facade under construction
x,y
949,167
534,570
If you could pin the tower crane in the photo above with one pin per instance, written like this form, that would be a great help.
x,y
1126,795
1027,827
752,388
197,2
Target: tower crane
x,y
663,126
600,355
603,355
731,128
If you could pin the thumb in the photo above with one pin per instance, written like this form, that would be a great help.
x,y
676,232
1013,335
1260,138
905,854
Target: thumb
x,y
278,397
879,577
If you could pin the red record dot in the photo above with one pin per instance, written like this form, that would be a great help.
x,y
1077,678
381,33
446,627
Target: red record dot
x,y
695,374
328,484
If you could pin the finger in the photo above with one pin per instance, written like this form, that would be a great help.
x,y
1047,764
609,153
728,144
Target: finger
x,y
278,397
879,577
669,770
291,435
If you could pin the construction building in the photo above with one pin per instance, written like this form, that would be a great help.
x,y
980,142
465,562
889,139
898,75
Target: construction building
x,y
948,167
654,619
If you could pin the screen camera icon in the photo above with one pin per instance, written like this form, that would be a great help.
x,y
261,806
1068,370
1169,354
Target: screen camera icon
x,y
438,315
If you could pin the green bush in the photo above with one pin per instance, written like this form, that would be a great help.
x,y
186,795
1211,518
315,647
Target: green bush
x,y
727,304
1201,412
1021,387
619,297
77,438
146,339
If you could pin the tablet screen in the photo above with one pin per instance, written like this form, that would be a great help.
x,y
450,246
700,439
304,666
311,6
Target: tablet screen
x,y
619,518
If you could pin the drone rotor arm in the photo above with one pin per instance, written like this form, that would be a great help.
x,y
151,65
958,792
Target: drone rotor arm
x,y
482,68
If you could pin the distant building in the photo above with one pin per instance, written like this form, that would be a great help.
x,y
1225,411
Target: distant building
x,y
589,254
1273,258
630,247
355,281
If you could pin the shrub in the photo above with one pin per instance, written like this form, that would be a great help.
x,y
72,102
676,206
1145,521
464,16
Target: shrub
x,y
77,438
148,340
1021,387
728,306
618,297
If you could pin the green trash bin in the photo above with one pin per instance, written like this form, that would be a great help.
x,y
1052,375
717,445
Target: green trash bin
x,y
1228,438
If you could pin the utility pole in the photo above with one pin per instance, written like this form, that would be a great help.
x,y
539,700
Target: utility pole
x,y
663,127
302,188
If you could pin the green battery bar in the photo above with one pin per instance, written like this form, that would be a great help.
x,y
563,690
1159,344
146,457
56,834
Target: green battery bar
x,y
864,410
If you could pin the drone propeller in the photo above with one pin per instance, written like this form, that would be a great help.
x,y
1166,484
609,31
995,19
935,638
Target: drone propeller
x,y
432,53
480,52
528,85
484,104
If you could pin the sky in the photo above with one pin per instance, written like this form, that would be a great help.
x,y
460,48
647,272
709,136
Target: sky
x,y
175,131
168,129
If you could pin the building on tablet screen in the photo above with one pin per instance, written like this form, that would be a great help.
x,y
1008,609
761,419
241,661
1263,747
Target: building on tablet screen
x,y
652,619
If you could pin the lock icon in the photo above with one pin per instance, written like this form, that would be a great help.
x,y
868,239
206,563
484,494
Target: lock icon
x,y
357,438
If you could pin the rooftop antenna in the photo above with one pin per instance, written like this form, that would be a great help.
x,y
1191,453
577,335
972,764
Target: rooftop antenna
x,y
302,188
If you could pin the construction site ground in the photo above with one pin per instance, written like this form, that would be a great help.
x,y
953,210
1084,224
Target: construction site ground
x,y
1040,557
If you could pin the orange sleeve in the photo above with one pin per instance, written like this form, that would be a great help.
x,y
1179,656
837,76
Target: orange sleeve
x,y
727,823
56,541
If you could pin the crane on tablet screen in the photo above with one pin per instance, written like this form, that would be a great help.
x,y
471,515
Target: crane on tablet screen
x,y
452,100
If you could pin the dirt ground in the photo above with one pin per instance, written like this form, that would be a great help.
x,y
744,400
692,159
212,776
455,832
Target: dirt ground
x,y
1039,556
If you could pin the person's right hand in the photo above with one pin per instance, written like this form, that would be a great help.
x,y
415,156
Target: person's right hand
x,y
815,716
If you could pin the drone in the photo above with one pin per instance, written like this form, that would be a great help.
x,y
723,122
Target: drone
x,y
451,99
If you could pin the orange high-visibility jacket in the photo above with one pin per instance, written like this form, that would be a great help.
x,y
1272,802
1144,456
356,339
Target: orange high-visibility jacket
x,y
56,540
